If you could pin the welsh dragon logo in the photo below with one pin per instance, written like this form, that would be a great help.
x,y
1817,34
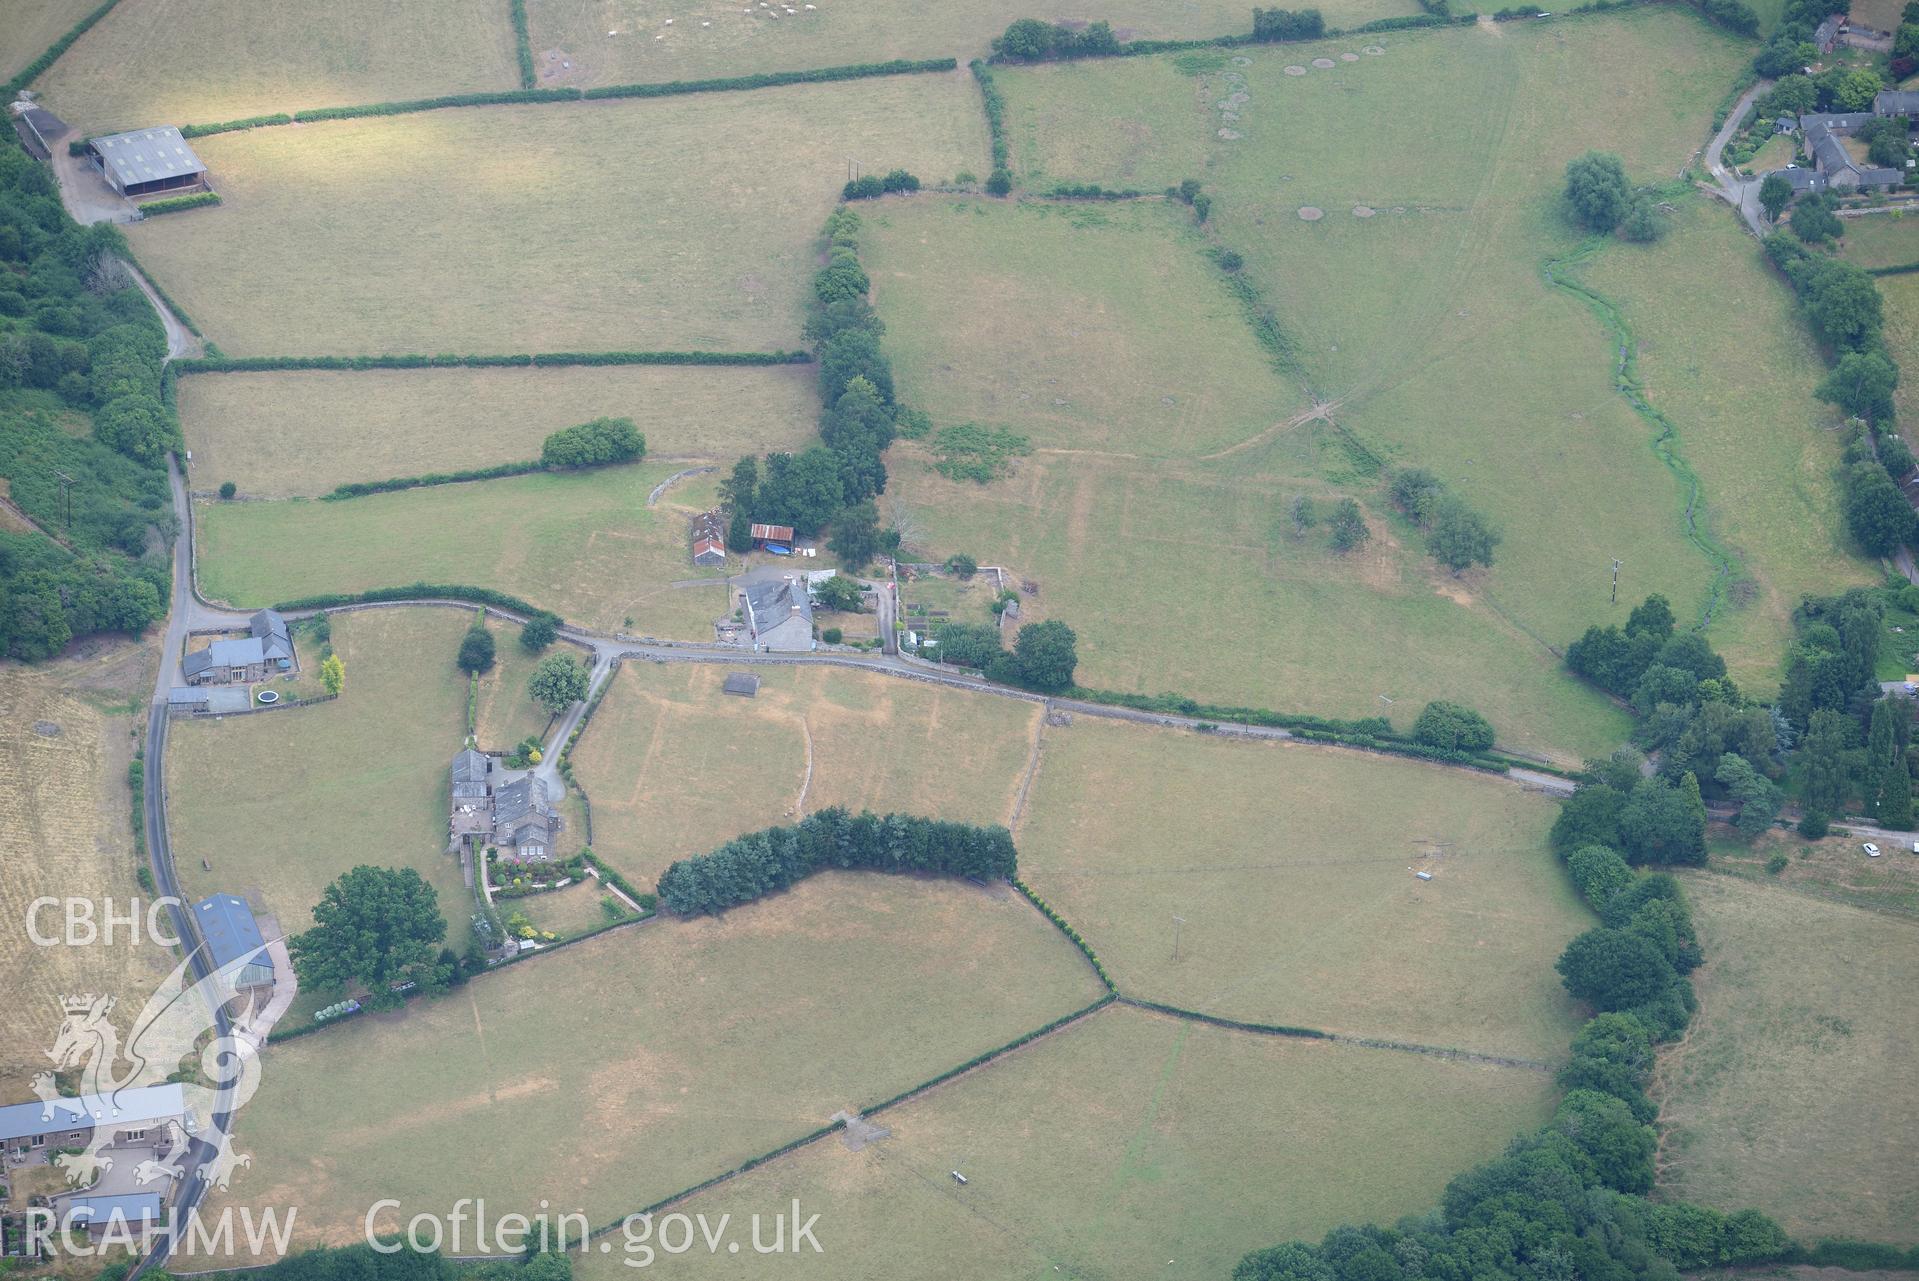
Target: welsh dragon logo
x,y
175,1024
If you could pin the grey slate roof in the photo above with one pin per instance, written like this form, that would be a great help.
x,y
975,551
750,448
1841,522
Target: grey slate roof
x,y
147,155
745,684
1896,102
231,933
197,661
518,799
771,604
130,1208
270,629
1830,154
127,1107
470,767
1802,179
46,126
185,696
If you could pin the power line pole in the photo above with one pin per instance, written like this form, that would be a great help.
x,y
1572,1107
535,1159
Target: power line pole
x,y
1177,922
66,492
1615,580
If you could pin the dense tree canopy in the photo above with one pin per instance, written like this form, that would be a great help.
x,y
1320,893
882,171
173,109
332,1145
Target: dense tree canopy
x,y
1597,193
375,926
558,683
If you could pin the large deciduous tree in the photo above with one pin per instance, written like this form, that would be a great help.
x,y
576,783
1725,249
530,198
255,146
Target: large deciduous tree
x,y
557,683
376,926
1597,193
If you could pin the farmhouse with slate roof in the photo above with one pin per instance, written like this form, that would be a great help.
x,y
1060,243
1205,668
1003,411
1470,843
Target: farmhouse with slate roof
x,y
523,821
471,810
1833,167
147,1117
147,162
266,650
779,615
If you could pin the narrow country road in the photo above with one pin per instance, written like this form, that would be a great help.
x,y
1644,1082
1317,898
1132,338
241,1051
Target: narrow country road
x,y
1741,193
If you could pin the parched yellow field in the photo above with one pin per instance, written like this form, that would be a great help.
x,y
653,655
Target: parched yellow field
x,y
642,1062
277,435
618,41
177,62
279,804
675,767
65,830
1294,870
1788,1093
685,222
32,26
1128,1146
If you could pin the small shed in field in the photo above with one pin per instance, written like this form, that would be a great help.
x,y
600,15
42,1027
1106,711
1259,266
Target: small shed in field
x,y
741,684
709,539
147,162
764,534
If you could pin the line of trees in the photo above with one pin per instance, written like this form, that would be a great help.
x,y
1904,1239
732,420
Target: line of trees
x,y
1843,303
760,863
835,482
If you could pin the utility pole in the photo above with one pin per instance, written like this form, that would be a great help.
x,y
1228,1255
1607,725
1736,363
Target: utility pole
x,y
66,492
1177,922
1615,580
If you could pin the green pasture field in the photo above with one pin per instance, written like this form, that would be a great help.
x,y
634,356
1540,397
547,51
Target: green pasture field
x,y
621,41
1788,1094
537,228
584,545
281,803
964,601
1901,294
675,767
177,62
1130,1145
566,912
1064,328
1166,478
1881,240
1834,868
1300,902
1190,579
506,712
642,1062
323,429
1723,351
1417,307
33,25
1880,15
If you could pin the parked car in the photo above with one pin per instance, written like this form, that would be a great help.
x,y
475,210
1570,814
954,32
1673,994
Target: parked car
x,y
1872,851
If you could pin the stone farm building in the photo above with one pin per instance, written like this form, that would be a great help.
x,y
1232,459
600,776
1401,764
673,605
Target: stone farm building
x,y
1834,167
266,650
147,162
709,539
518,818
779,615
233,939
150,1117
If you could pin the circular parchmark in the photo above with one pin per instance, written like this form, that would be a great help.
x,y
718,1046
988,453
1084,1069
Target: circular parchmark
x,y
1295,70
1364,211
1372,50
1231,135
1242,60
1311,213
1349,57
1324,64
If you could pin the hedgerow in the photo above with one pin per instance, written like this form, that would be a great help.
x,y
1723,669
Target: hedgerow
x,y
522,42
980,1060
1001,180
543,360
361,489
773,79
178,204
422,591
1236,1025
31,72
1073,935
759,863
235,126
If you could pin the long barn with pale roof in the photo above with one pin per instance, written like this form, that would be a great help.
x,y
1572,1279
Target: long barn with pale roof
x,y
147,162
